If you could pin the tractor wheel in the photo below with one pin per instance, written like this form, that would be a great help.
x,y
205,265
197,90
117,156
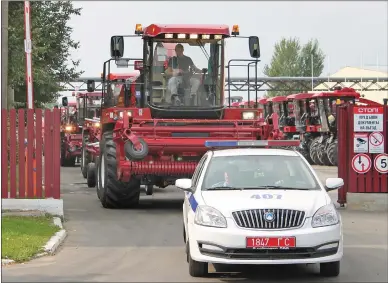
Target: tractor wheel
x,y
133,154
304,150
91,175
314,151
84,158
332,153
113,192
322,153
149,189
98,178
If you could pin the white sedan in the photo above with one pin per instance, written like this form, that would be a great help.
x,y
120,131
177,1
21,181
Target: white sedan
x,y
259,206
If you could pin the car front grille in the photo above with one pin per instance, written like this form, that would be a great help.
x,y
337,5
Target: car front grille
x,y
260,218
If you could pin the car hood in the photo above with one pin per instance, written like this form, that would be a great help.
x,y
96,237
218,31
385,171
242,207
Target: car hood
x,y
228,201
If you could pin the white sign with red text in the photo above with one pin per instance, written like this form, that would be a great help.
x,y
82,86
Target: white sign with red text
x,y
368,119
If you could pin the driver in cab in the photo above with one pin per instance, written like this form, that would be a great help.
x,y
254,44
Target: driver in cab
x,y
178,66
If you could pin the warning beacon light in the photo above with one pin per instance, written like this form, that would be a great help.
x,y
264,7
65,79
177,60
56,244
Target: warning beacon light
x,y
138,29
235,30
252,143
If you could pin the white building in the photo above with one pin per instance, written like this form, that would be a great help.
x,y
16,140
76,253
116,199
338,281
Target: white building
x,y
372,93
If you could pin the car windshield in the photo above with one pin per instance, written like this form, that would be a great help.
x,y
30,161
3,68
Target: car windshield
x,y
258,172
186,74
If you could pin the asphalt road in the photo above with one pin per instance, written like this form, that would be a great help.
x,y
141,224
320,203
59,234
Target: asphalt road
x,y
146,244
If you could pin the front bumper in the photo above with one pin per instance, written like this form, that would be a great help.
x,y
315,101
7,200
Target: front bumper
x,y
228,245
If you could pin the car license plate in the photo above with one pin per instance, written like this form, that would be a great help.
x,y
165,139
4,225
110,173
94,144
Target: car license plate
x,y
266,242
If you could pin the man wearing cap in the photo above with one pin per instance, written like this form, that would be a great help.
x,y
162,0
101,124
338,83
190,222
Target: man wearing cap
x,y
178,65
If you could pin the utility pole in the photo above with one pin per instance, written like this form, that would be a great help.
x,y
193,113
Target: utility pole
x,y
4,54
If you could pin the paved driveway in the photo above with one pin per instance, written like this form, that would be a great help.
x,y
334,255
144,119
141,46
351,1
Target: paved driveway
x,y
146,244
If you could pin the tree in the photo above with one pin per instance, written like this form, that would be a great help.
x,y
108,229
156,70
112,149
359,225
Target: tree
x,y
51,46
290,59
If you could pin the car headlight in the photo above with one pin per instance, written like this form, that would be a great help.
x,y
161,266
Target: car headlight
x,y
325,216
248,115
209,216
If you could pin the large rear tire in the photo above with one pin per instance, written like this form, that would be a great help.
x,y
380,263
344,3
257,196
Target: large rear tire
x,y
314,151
113,192
332,153
322,153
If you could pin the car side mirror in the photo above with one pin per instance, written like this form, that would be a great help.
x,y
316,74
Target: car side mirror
x,y
64,101
117,46
254,47
184,184
333,184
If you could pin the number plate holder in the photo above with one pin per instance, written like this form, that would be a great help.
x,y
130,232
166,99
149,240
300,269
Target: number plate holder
x,y
270,242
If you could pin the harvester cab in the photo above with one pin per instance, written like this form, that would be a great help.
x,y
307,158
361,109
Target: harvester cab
x,y
173,86
68,116
89,106
327,104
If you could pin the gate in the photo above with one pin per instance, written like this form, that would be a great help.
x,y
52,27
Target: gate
x,y
362,147
30,157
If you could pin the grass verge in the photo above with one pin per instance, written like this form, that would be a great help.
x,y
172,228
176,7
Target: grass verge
x,y
24,236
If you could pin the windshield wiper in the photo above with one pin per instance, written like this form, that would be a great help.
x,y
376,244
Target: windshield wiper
x,y
222,188
278,188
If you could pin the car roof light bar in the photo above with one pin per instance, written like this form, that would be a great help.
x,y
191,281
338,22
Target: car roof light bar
x,y
251,143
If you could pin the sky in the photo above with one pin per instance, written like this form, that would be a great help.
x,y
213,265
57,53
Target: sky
x,y
350,33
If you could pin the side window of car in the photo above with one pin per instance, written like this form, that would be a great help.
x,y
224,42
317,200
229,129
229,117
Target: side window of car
x,y
198,170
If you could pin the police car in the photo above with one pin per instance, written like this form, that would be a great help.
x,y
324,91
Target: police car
x,y
253,205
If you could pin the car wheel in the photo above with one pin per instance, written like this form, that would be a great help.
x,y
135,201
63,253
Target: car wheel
x,y
196,268
330,269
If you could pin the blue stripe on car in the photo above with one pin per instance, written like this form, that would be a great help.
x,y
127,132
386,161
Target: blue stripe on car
x,y
193,202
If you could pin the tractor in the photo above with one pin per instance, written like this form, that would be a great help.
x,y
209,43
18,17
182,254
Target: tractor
x,y
71,139
89,114
91,131
315,121
162,137
283,106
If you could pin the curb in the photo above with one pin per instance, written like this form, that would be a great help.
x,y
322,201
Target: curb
x,y
51,246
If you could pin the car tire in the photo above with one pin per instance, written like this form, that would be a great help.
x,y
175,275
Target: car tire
x,y
330,269
196,268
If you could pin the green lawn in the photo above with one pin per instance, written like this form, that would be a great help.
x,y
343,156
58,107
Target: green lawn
x,y
24,236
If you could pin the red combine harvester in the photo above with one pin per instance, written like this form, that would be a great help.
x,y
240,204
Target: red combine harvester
x,y
163,136
71,141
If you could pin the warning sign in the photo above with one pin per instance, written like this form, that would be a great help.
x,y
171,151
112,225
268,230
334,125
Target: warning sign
x,y
360,143
381,163
376,142
368,119
361,163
